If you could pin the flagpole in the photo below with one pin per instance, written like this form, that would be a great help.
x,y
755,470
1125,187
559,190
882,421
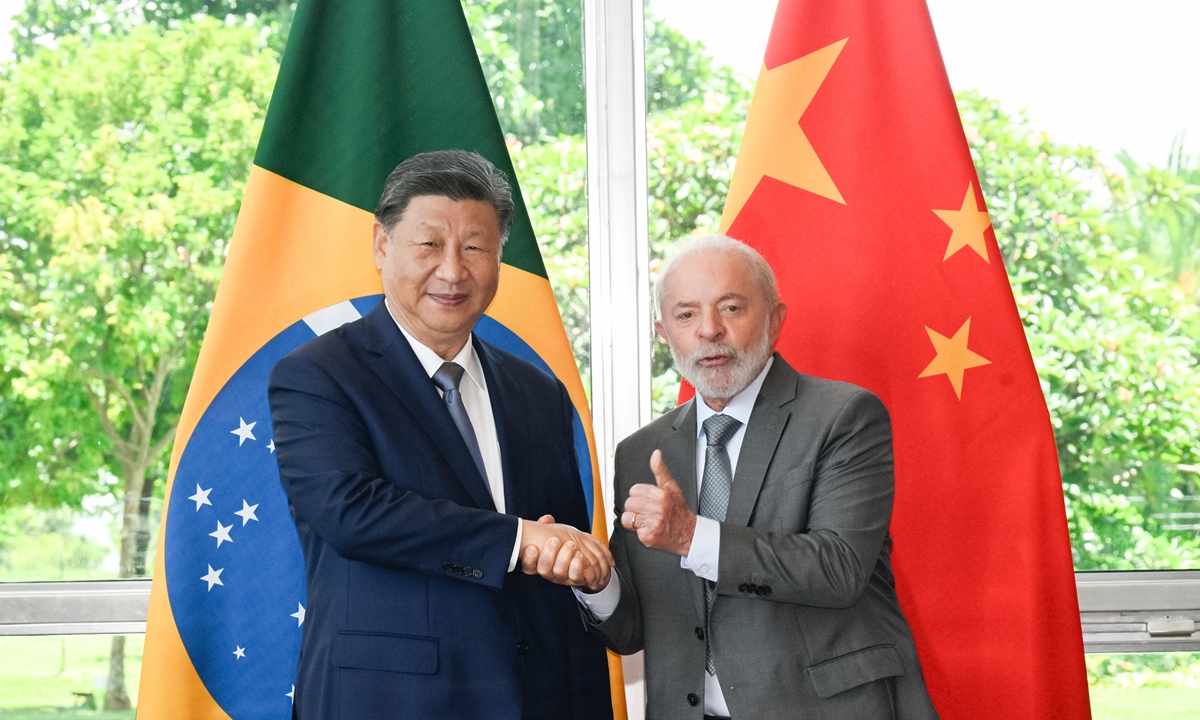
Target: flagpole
x,y
618,244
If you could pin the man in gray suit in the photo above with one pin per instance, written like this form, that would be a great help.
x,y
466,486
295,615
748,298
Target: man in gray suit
x,y
759,584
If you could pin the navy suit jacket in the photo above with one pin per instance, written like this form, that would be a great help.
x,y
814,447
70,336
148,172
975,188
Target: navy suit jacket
x,y
411,611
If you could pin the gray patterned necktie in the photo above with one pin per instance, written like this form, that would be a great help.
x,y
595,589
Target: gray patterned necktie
x,y
714,501
448,377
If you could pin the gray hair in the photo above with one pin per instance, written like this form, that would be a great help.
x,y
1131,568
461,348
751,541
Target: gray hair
x,y
760,270
456,174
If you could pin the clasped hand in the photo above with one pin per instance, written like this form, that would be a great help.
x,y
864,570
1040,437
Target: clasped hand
x,y
564,555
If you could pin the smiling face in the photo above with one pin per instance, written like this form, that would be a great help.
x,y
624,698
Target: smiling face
x,y
440,268
718,323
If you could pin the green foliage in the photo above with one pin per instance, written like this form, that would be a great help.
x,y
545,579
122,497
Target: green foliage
x,y
111,242
1116,342
1159,214
42,22
1144,670
39,674
532,56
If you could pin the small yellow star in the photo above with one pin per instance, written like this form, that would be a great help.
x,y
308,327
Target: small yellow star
x,y
953,358
773,143
969,224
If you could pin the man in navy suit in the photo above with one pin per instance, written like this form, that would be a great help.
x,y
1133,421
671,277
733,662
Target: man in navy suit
x,y
415,458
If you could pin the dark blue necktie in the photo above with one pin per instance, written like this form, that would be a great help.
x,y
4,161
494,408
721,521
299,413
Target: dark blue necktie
x,y
448,377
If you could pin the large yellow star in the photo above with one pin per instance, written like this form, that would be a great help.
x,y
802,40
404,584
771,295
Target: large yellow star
x,y
773,143
953,358
969,224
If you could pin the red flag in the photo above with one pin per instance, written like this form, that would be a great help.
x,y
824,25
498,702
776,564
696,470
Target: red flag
x,y
855,182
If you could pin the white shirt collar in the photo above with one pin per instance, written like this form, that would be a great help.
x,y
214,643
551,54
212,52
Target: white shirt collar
x,y
739,407
432,362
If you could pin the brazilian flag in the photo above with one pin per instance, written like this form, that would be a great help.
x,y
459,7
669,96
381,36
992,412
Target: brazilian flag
x,y
363,85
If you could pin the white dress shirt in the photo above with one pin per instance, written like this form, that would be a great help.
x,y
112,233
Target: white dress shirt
x,y
704,555
478,404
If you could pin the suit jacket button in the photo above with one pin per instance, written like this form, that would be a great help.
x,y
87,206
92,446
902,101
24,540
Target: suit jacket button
x,y
468,571
477,573
699,633
523,647
448,566
744,587
693,700
458,570
764,590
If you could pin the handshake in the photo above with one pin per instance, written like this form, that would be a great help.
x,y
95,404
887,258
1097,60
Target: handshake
x,y
564,555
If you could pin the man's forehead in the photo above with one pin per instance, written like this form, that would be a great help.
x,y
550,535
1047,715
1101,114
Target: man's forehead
x,y
709,276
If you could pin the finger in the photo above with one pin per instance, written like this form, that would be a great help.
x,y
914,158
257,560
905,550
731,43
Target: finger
x,y
627,520
642,490
562,563
549,552
576,570
529,560
548,519
662,476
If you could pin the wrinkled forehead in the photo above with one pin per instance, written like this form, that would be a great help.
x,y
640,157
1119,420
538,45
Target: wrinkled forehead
x,y
707,276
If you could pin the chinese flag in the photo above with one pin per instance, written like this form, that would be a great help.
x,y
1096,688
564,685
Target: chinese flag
x,y
855,182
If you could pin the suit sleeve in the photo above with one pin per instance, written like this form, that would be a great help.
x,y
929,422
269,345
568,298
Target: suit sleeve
x,y
329,469
830,563
622,631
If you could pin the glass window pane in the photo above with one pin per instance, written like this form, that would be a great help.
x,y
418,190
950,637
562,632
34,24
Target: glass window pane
x,y
1150,686
57,674
532,56
1090,163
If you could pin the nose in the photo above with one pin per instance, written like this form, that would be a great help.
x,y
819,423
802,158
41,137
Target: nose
x,y
711,327
451,269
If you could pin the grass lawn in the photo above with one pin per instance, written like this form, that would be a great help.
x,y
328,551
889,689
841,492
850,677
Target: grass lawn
x,y
39,674
1146,703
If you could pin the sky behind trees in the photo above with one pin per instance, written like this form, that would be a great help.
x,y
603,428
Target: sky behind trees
x,y
1110,73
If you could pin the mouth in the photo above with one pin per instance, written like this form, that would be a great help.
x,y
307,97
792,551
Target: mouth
x,y
713,361
448,299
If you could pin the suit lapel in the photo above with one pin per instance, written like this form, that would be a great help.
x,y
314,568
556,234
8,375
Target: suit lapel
x,y
513,437
767,421
395,363
679,454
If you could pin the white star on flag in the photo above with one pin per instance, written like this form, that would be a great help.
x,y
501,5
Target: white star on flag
x,y
201,497
299,615
222,533
244,431
271,445
246,513
213,577
291,695
240,652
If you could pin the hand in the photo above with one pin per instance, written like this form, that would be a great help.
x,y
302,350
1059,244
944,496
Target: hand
x,y
564,555
658,513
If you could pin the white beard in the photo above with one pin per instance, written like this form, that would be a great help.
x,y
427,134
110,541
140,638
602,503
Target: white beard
x,y
727,380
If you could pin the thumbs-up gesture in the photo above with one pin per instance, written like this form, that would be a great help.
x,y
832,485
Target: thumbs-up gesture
x,y
658,513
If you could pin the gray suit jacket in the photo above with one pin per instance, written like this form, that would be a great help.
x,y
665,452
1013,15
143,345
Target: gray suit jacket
x,y
805,623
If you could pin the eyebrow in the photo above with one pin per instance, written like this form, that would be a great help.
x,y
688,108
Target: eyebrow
x,y
693,303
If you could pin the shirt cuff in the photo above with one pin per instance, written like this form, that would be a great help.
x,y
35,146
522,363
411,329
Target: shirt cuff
x,y
602,604
512,561
705,553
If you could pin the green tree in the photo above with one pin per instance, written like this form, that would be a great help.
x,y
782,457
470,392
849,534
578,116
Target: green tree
x,y
1115,340
122,163
42,22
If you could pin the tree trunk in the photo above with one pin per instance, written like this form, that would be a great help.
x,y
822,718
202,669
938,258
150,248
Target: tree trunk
x,y
142,542
116,697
